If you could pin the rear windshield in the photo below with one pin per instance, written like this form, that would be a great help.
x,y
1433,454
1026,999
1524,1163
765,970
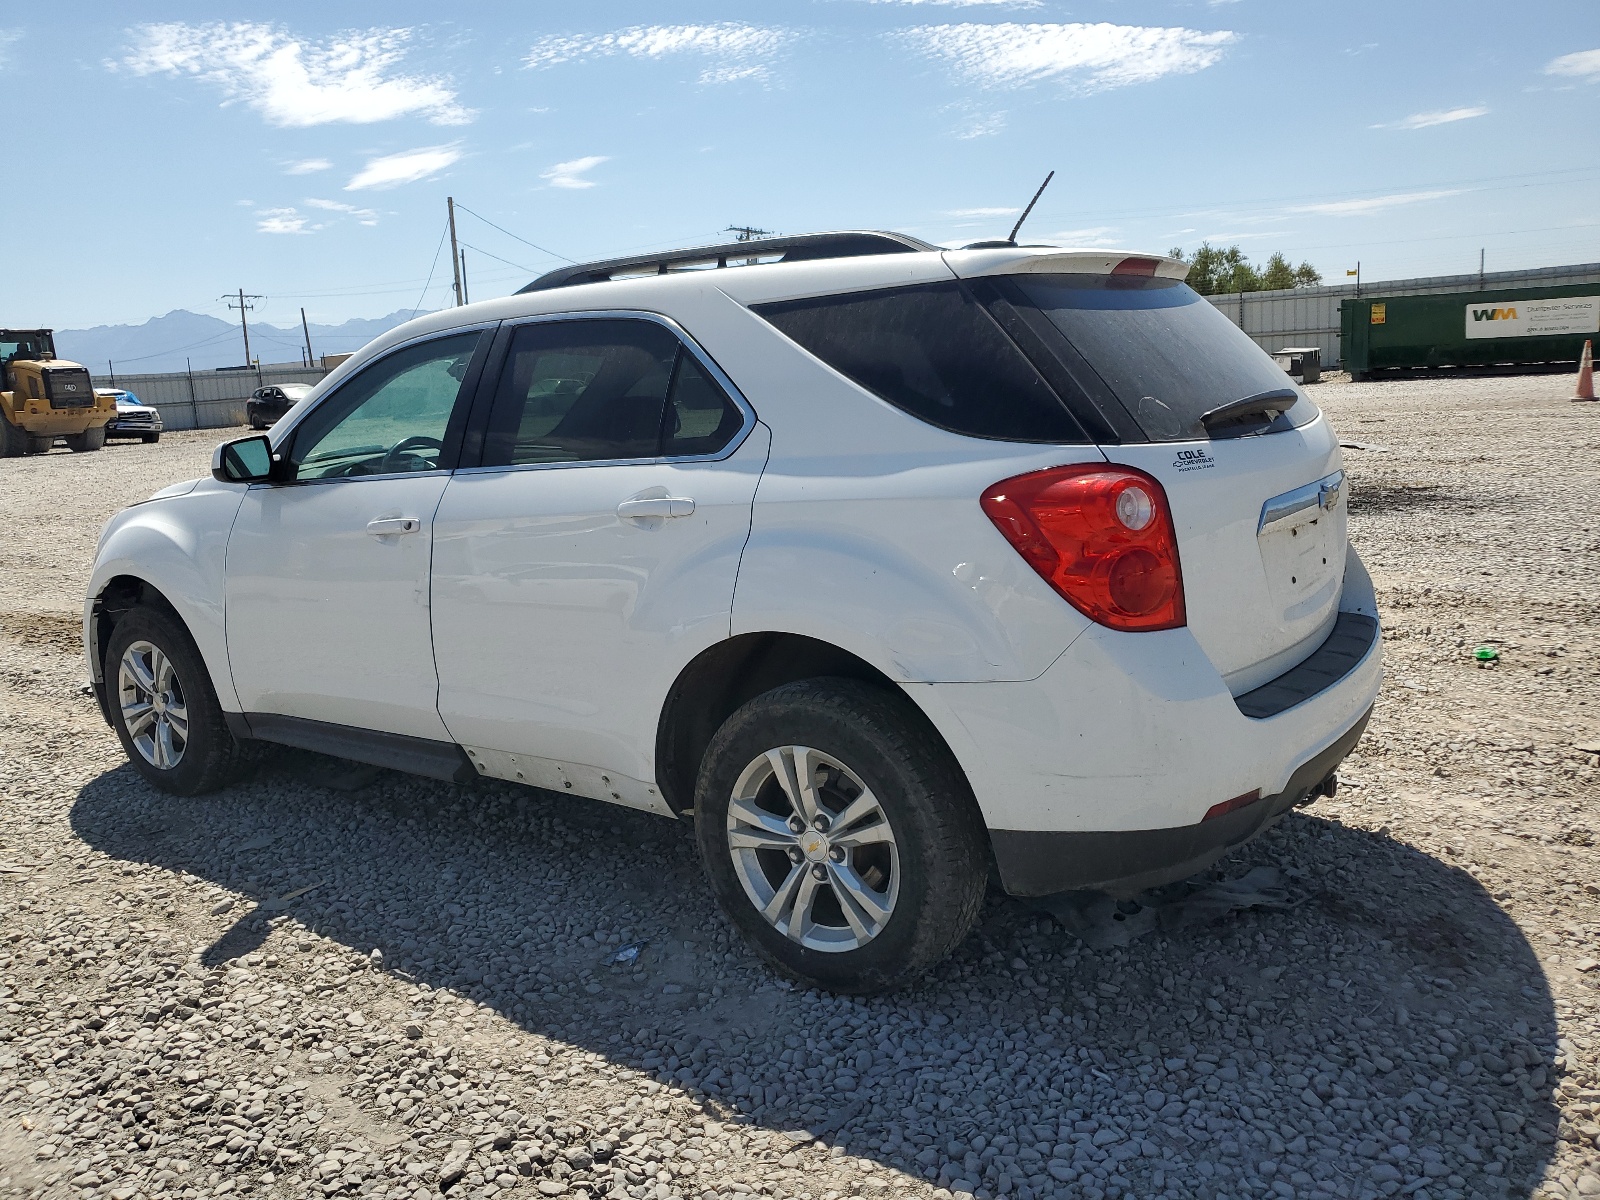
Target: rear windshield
x,y
934,352
1164,350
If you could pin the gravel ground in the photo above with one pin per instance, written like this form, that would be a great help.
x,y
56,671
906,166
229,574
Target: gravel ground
x,y
337,981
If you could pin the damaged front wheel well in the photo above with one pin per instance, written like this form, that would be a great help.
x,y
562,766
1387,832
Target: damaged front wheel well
x,y
119,597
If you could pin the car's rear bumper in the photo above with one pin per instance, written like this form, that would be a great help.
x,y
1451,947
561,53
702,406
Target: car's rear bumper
x,y
1101,772
1125,862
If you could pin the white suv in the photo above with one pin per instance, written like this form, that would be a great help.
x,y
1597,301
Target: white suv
x,y
895,569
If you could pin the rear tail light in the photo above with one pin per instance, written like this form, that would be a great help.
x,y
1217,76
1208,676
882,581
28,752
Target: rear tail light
x,y
1101,536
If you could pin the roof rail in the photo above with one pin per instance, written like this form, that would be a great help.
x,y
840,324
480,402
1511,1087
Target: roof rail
x,y
803,247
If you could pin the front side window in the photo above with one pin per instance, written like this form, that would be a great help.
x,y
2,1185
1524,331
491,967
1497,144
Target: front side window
x,y
931,351
603,390
390,418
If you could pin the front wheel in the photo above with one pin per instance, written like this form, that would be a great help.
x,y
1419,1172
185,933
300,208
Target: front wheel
x,y
13,441
164,709
150,439
839,835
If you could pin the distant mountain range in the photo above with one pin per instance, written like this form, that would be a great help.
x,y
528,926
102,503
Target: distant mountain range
x,y
205,342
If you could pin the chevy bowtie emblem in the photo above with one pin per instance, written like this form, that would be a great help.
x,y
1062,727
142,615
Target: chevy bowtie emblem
x,y
1328,496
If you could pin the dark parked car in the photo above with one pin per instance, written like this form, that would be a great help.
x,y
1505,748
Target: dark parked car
x,y
134,418
267,404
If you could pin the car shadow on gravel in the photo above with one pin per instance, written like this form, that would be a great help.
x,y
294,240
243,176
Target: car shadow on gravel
x,y
1392,1034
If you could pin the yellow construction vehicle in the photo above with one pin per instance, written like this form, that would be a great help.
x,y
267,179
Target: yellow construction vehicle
x,y
43,397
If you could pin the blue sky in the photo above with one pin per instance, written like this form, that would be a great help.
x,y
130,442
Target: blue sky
x,y
160,155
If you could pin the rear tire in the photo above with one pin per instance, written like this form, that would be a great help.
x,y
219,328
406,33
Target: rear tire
x,y
896,879
164,709
42,444
93,438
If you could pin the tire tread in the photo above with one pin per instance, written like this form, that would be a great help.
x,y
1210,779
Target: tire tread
x,y
952,824
224,758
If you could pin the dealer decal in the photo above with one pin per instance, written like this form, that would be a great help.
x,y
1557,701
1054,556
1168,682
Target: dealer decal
x,y
1193,460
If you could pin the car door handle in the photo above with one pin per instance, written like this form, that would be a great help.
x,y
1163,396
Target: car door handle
x,y
389,526
656,506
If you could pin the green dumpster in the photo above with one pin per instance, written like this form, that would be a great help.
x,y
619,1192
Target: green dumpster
x,y
1515,327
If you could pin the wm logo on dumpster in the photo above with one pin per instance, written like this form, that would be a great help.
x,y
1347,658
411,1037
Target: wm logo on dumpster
x,y
1494,314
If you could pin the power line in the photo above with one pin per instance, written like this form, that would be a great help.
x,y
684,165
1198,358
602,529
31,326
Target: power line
x,y
509,234
191,346
445,233
497,258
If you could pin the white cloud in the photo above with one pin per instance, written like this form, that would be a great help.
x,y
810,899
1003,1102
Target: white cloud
x,y
295,83
408,166
8,39
740,50
1098,235
1094,57
1445,116
977,127
307,166
366,216
571,174
1585,64
1374,204
281,220
982,212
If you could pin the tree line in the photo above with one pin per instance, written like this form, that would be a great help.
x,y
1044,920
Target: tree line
x,y
1214,271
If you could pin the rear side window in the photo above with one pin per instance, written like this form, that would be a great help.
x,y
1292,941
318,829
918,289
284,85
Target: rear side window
x,y
593,391
933,352
1164,350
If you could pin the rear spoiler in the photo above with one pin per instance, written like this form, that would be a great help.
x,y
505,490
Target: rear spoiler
x,y
1034,260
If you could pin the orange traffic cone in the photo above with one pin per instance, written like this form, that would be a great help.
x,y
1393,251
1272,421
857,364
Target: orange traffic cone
x,y
1586,373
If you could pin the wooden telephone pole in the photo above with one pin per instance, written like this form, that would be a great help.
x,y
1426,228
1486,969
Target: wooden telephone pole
x,y
243,305
455,250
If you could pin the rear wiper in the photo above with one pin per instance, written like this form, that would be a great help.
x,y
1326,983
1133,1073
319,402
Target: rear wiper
x,y
1271,405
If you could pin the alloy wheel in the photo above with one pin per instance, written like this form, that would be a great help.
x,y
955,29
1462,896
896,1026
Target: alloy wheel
x,y
813,849
153,707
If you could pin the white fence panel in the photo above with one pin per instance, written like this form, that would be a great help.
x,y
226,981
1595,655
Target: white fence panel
x,y
205,399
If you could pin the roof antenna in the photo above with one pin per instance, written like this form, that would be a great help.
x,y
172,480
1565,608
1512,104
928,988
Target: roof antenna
x,y
1015,228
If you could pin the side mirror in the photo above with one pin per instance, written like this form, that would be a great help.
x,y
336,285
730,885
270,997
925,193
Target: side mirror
x,y
248,460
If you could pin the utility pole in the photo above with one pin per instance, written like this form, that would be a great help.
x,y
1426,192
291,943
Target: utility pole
x,y
455,250
243,305
310,361
747,233
1480,268
466,296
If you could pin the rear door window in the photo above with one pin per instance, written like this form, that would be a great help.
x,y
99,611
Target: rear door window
x,y
701,419
1162,349
934,352
604,390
